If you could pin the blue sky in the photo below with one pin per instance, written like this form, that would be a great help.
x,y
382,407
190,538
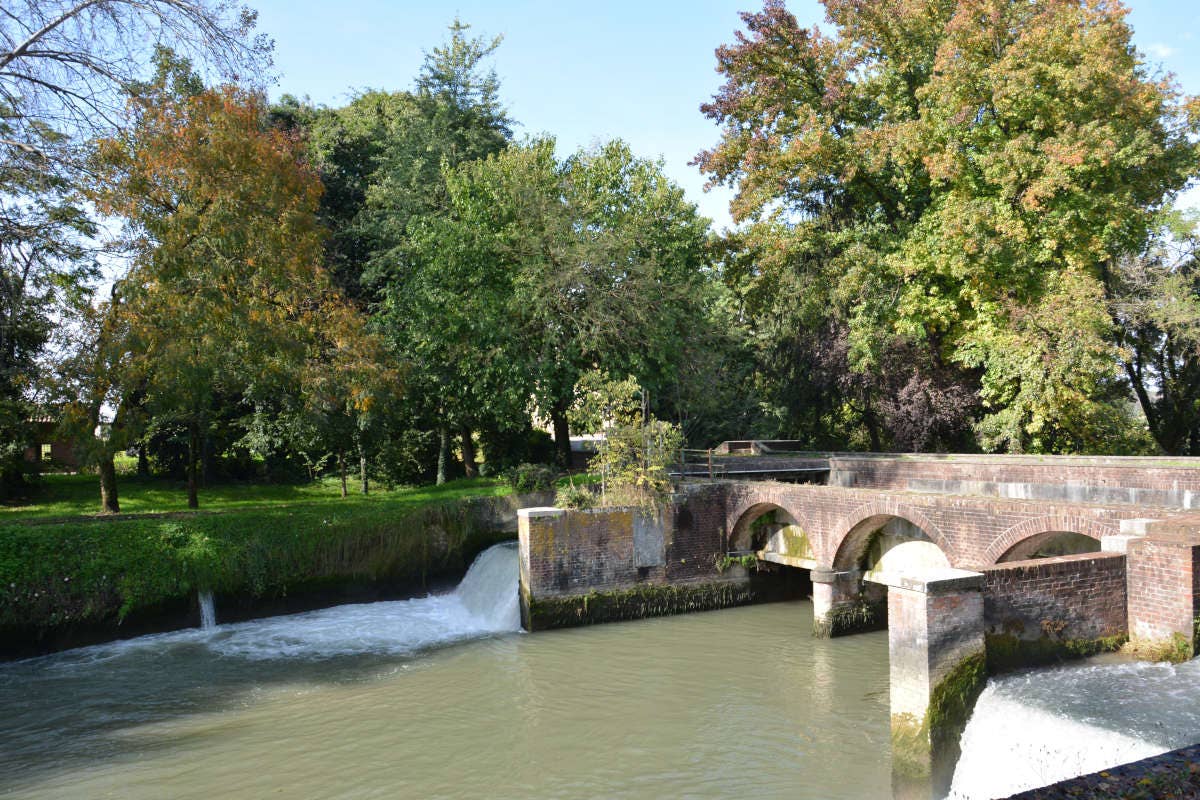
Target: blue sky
x,y
591,71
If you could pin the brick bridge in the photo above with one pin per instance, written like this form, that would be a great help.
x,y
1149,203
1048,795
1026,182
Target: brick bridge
x,y
971,562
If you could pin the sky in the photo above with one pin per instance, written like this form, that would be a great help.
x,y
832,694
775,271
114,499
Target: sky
x,y
587,72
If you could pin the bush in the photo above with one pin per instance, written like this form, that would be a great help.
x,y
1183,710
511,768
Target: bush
x,y
576,497
532,477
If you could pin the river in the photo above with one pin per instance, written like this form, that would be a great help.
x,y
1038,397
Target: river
x,y
442,697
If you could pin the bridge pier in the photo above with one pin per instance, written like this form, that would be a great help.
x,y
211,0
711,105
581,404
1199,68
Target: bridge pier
x,y
843,603
1163,574
938,668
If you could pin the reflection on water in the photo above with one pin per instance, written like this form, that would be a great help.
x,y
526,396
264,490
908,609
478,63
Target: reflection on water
x,y
442,698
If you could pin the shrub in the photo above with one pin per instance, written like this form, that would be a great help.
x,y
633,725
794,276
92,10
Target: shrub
x,y
532,477
576,497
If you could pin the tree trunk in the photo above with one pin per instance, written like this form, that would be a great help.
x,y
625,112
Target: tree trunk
x,y
193,455
362,468
443,454
562,435
205,459
143,467
468,453
342,470
109,504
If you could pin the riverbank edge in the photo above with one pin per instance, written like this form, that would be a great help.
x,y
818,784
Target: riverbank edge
x,y
655,600
306,562
1170,775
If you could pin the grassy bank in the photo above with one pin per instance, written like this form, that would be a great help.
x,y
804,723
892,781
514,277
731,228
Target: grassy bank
x,y
79,495
251,543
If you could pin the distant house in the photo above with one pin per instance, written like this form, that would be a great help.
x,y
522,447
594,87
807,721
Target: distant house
x,y
49,447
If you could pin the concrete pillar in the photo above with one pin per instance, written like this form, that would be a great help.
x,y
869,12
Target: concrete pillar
x,y
1163,574
842,605
938,668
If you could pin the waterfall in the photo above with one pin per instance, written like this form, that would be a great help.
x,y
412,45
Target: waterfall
x,y
208,613
1034,728
484,603
488,590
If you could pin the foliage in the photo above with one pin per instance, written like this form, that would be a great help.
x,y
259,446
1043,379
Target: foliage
x,y
635,459
1154,299
574,497
947,181
532,477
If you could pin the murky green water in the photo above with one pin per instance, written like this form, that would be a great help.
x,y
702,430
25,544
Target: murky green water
x,y
440,698
739,703
400,701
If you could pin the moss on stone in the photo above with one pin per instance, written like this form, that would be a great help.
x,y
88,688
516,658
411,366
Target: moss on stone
x,y
951,701
648,600
856,617
1008,652
911,755
655,599
1175,650
920,744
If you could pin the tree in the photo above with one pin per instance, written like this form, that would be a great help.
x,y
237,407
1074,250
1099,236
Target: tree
x,y
66,65
226,293
44,268
454,117
65,69
933,172
1154,298
594,262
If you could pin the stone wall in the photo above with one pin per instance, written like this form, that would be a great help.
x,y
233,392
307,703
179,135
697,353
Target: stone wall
x,y
1045,609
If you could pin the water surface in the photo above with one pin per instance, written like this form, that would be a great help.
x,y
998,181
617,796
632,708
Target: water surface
x,y
441,697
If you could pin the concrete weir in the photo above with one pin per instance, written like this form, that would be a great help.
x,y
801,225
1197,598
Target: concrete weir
x,y
969,575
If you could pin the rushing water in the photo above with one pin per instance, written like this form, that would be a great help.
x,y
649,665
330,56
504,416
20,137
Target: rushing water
x,y
440,697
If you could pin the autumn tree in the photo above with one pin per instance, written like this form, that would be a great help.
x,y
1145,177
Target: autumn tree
x,y
949,180
66,67
226,291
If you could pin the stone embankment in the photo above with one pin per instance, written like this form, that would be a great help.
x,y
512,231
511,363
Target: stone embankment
x,y
1170,776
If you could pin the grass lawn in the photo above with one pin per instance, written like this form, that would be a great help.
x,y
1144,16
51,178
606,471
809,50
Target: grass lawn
x,y
62,495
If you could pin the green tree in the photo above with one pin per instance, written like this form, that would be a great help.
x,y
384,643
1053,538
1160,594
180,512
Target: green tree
x,y
1154,298
931,174
592,263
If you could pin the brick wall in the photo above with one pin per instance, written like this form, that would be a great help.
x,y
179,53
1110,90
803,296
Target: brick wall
x,y
576,552
1138,481
695,532
973,531
1066,598
1164,585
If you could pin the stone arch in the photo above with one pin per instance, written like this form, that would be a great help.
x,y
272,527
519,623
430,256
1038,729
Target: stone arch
x,y
1042,528
854,530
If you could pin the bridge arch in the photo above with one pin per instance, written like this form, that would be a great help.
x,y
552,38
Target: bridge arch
x,y
1022,540
852,537
741,532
